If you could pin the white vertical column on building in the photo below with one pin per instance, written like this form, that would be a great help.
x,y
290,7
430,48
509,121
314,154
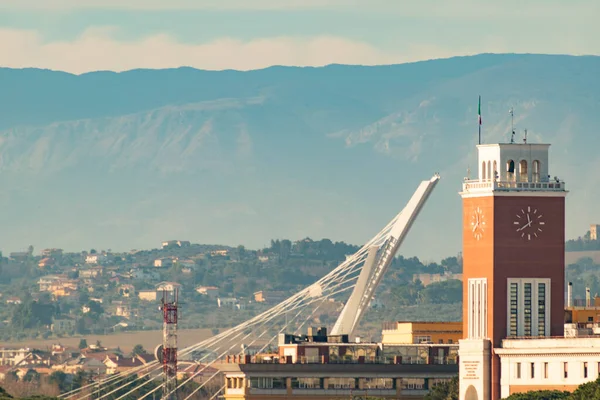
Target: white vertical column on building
x,y
477,307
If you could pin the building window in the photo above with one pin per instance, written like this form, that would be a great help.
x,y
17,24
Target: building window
x,y
450,341
585,370
523,176
565,370
483,174
527,310
510,170
518,372
307,383
514,309
341,383
545,370
422,339
495,171
267,383
378,383
532,370
489,170
541,294
413,384
441,341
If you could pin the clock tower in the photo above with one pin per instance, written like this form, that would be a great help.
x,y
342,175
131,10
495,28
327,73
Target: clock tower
x,y
513,259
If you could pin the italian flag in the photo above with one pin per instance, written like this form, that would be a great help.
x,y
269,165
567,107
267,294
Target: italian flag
x,y
479,110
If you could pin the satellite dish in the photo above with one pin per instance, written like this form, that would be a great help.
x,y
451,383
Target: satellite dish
x,y
158,353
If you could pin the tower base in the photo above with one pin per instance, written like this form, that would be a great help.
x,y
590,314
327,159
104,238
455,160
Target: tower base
x,y
474,369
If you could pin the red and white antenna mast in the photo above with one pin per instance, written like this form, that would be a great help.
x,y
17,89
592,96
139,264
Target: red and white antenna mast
x,y
169,345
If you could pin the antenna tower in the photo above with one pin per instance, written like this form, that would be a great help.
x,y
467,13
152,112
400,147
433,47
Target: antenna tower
x,y
169,346
512,125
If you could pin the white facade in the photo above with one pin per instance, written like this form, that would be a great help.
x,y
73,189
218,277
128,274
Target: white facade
x,y
95,258
512,168
513,162
561,363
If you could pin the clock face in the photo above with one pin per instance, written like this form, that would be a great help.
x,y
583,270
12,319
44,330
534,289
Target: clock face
x,y
529,223
477,223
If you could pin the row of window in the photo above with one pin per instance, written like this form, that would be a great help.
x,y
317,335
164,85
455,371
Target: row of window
x,y
341,383
544,370
427,339
527,307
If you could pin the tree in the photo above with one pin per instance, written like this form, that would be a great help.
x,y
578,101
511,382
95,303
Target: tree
x,y
138,349
83,344
444,391
31,376
587,391
59,378
544,395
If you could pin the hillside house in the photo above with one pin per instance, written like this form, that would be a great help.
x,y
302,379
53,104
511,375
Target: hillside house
x,y
52,253
219,253
127,290
147,295
46,262
11,357
428,279
272,297
47,282
13,300
95,258
175,243
164,262
211,291
116,364
92,273
230,302
169,288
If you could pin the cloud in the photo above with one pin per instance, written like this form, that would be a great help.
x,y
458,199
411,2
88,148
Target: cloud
x,y
171,4
471,9
97,48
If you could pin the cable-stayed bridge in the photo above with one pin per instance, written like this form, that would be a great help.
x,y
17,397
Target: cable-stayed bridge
x,y
359,275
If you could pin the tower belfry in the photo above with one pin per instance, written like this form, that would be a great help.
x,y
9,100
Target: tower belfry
x,y
513,258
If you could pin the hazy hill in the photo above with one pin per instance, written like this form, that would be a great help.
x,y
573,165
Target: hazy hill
x,y
124,160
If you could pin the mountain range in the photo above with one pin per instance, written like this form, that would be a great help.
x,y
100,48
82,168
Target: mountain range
x,y
126,160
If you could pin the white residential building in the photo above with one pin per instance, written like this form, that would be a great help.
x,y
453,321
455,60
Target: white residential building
x,y
547,364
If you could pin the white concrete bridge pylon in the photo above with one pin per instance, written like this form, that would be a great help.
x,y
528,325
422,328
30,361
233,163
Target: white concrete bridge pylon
x,y
378,260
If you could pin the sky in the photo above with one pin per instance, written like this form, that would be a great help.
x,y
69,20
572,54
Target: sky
x,y
87,35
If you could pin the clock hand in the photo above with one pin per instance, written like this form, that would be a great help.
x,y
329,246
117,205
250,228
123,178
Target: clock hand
x,y
524,226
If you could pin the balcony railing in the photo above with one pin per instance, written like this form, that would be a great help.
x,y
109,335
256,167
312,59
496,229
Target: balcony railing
x,y
475,185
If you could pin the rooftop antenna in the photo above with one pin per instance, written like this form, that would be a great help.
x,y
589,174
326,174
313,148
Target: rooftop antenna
x,y
525,138
512,125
